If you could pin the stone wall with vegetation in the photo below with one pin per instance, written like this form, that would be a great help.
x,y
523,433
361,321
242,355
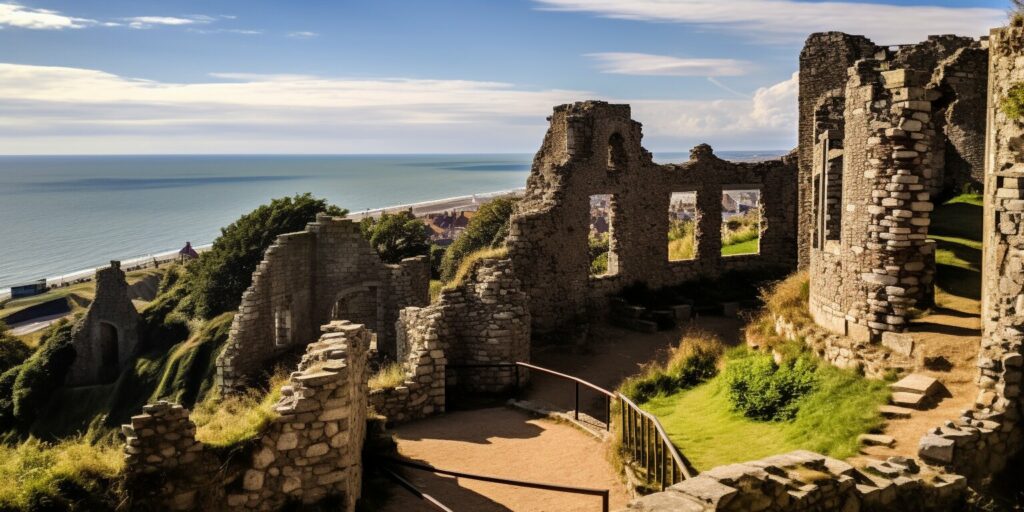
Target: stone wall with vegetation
x,y
979,443
307,279
107,337
807,481
310,452
595,148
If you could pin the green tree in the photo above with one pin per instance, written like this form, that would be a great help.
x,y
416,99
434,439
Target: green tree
x,y
396,236
488,228
43,373
216,281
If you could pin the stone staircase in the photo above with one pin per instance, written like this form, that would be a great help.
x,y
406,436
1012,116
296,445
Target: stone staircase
x,y
912,393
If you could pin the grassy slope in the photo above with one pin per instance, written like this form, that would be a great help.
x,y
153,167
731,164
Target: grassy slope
x,y
701,423
79,295
748,247
956,227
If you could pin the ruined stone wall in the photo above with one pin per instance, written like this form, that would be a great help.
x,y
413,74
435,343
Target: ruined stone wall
x,y
807,481
483,320
306,279
823,63
312,451
961,83
107,337
595,148
979,442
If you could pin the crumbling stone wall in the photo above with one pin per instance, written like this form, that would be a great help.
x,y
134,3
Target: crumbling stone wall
x,y
979,443
107,337
307,279
807,481
594,148
484,320
312,451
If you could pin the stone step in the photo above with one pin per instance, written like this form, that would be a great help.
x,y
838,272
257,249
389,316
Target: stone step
x,y
895,411
876,440
911,400
917,383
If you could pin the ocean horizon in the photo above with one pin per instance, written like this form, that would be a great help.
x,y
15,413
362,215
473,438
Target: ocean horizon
x,y
61,214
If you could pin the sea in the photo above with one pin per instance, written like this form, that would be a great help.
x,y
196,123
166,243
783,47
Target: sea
x,y
62,214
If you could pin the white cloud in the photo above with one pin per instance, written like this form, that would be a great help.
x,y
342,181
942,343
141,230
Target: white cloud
x,y
74,110
645,64
244,32
14,15
303,34
141,22
794,20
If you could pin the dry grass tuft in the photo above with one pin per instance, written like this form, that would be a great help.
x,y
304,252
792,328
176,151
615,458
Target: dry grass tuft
x,y
390,376
34,468
229,421
468,262
787,298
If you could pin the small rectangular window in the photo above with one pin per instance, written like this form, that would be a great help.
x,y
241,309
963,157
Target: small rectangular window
x,y
741,222
601,235
682,226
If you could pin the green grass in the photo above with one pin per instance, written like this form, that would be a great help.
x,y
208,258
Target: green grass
x,y
436,285
956,228
467,264
79,295
701,423
71,475
230,421
748,247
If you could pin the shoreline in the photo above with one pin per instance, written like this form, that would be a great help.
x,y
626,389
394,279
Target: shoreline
x,y
419,209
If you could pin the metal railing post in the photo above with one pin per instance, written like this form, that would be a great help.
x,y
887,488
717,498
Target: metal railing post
x,y
576,410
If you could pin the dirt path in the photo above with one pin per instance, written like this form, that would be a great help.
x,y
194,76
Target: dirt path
x,y
951,335
505,443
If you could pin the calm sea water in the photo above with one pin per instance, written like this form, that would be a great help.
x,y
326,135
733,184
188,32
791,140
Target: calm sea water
x,y
63,214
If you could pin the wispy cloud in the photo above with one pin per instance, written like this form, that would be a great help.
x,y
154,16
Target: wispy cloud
x,y
303,34
142,22
15,15
645,64
244,32
793,20
74,110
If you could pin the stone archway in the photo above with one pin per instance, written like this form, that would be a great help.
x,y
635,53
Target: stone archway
x,y
108,348
360,305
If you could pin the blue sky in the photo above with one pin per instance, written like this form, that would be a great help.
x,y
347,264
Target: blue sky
x,y
388,76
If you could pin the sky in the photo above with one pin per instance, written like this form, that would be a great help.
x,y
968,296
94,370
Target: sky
x,y
439,76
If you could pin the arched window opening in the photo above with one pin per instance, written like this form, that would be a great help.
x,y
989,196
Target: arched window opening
x,y
617,159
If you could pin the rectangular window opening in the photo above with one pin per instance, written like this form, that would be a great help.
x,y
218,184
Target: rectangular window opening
x,y
601,236
682,226
741,222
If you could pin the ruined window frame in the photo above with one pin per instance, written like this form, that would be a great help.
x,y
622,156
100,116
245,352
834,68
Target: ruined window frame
x,y
696,220
761,224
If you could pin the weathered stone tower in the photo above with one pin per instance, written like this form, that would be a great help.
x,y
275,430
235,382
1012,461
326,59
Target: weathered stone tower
x,y
106,338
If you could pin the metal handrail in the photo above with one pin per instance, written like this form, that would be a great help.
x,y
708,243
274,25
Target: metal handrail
x,y
602,493
632,439
415,491
595,387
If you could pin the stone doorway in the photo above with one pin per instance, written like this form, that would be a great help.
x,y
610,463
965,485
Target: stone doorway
x,y
109,353
360,305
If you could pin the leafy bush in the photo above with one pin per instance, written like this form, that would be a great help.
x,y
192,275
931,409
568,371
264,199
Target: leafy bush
x,y
599,245
763,390
396,236
487,229
7,420
436,258
741,228
70,475
216,281
692,362
1013,104
12,351
43,373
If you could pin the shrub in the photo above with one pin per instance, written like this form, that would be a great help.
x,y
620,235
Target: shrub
x,y
436,258
390,376
43,373
1013,104
487,229
396,236
70,475
692,362
7,420
467,264
599,246
681,240
12,350
741,228
765,391
216,281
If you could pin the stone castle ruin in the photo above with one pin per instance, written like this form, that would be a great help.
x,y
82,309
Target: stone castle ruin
x,y
307,279
885,133
107,337
594,148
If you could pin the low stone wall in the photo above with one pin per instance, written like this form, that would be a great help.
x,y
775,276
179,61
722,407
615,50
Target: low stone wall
x,y
872,359
807,481
312,451
422,393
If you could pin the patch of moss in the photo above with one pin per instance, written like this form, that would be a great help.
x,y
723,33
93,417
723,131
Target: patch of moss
x,y
1013,103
